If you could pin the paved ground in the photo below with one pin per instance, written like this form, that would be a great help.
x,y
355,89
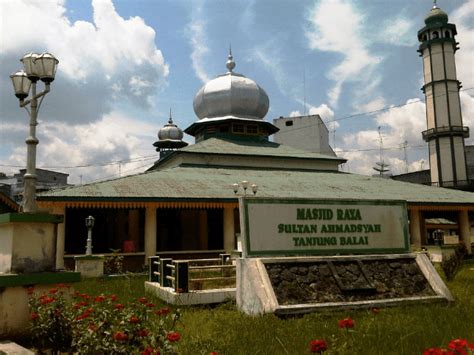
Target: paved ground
x,y
9,348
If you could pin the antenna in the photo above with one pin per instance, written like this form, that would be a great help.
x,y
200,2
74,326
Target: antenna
x,y
334,134
304,91
381,166
404,146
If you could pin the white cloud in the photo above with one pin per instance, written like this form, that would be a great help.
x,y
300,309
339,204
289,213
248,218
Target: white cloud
x,y
95,58
107,45
106,61
462,17
398,125
198,40
373,105
398,31
337,26
267,54
116,137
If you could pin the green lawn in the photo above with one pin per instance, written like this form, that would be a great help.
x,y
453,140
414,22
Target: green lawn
x,y
397,330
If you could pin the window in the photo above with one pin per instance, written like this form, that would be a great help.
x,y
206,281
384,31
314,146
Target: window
x,y
447,34
289,123
238,128
435,34
253,129
211,129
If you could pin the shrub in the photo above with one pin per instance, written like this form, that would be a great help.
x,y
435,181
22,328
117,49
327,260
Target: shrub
x,y
101,324
113,264
451,264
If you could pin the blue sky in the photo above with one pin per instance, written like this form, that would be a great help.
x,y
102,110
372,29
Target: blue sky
x,y
124,64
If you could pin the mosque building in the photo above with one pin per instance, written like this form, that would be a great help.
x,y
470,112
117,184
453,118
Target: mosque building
x,y
186,202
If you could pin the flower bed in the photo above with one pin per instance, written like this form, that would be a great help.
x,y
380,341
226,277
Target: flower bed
x,y
100,324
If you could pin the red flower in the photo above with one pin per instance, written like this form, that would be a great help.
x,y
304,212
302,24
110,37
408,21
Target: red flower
x,y
213,353
92,327
150,305
53,291
470,346
173,336
162,311
46,300
61,285
134,320
85,296
57,312
120,336
34,316
149,351
30,290
80,304
85,314
119,306
113,298
458,344
142,300
437,351
142,333
375,310
318,346
346,323
99,299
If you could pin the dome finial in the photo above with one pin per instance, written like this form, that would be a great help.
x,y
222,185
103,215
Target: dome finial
x,y
435,6
230,64
170,120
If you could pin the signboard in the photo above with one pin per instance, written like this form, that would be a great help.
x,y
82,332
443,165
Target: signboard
x,y
273,227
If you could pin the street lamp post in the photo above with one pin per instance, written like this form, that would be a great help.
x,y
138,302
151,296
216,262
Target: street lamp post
x,y
245,185
89,224
36,67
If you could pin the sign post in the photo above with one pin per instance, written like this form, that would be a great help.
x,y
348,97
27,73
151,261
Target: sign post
x,y
279,227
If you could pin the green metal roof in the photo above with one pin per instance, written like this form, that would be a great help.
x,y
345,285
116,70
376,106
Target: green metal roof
x,y
260,148
187,183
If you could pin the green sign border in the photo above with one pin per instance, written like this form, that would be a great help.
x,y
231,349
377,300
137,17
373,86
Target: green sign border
x,y
249,252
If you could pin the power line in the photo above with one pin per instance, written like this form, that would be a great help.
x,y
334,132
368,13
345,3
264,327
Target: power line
x,y
367,113
110,177
149,157
123,161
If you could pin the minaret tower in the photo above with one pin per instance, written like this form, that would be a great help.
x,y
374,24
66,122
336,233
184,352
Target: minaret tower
x,y
445,134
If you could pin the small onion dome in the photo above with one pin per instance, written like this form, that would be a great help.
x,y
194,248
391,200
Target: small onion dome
x,y
170,136
436,17
231,94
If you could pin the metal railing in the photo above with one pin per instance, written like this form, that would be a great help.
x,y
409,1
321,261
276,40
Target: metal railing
x,y
186,275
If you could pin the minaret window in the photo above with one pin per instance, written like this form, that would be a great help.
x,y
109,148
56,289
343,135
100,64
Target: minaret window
x,y
447,34
425,38
435,34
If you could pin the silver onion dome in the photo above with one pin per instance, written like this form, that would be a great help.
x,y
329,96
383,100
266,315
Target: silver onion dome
x,y
170,136
170,131
231,95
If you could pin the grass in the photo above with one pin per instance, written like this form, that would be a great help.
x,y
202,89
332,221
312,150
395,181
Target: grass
x,y
397,330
